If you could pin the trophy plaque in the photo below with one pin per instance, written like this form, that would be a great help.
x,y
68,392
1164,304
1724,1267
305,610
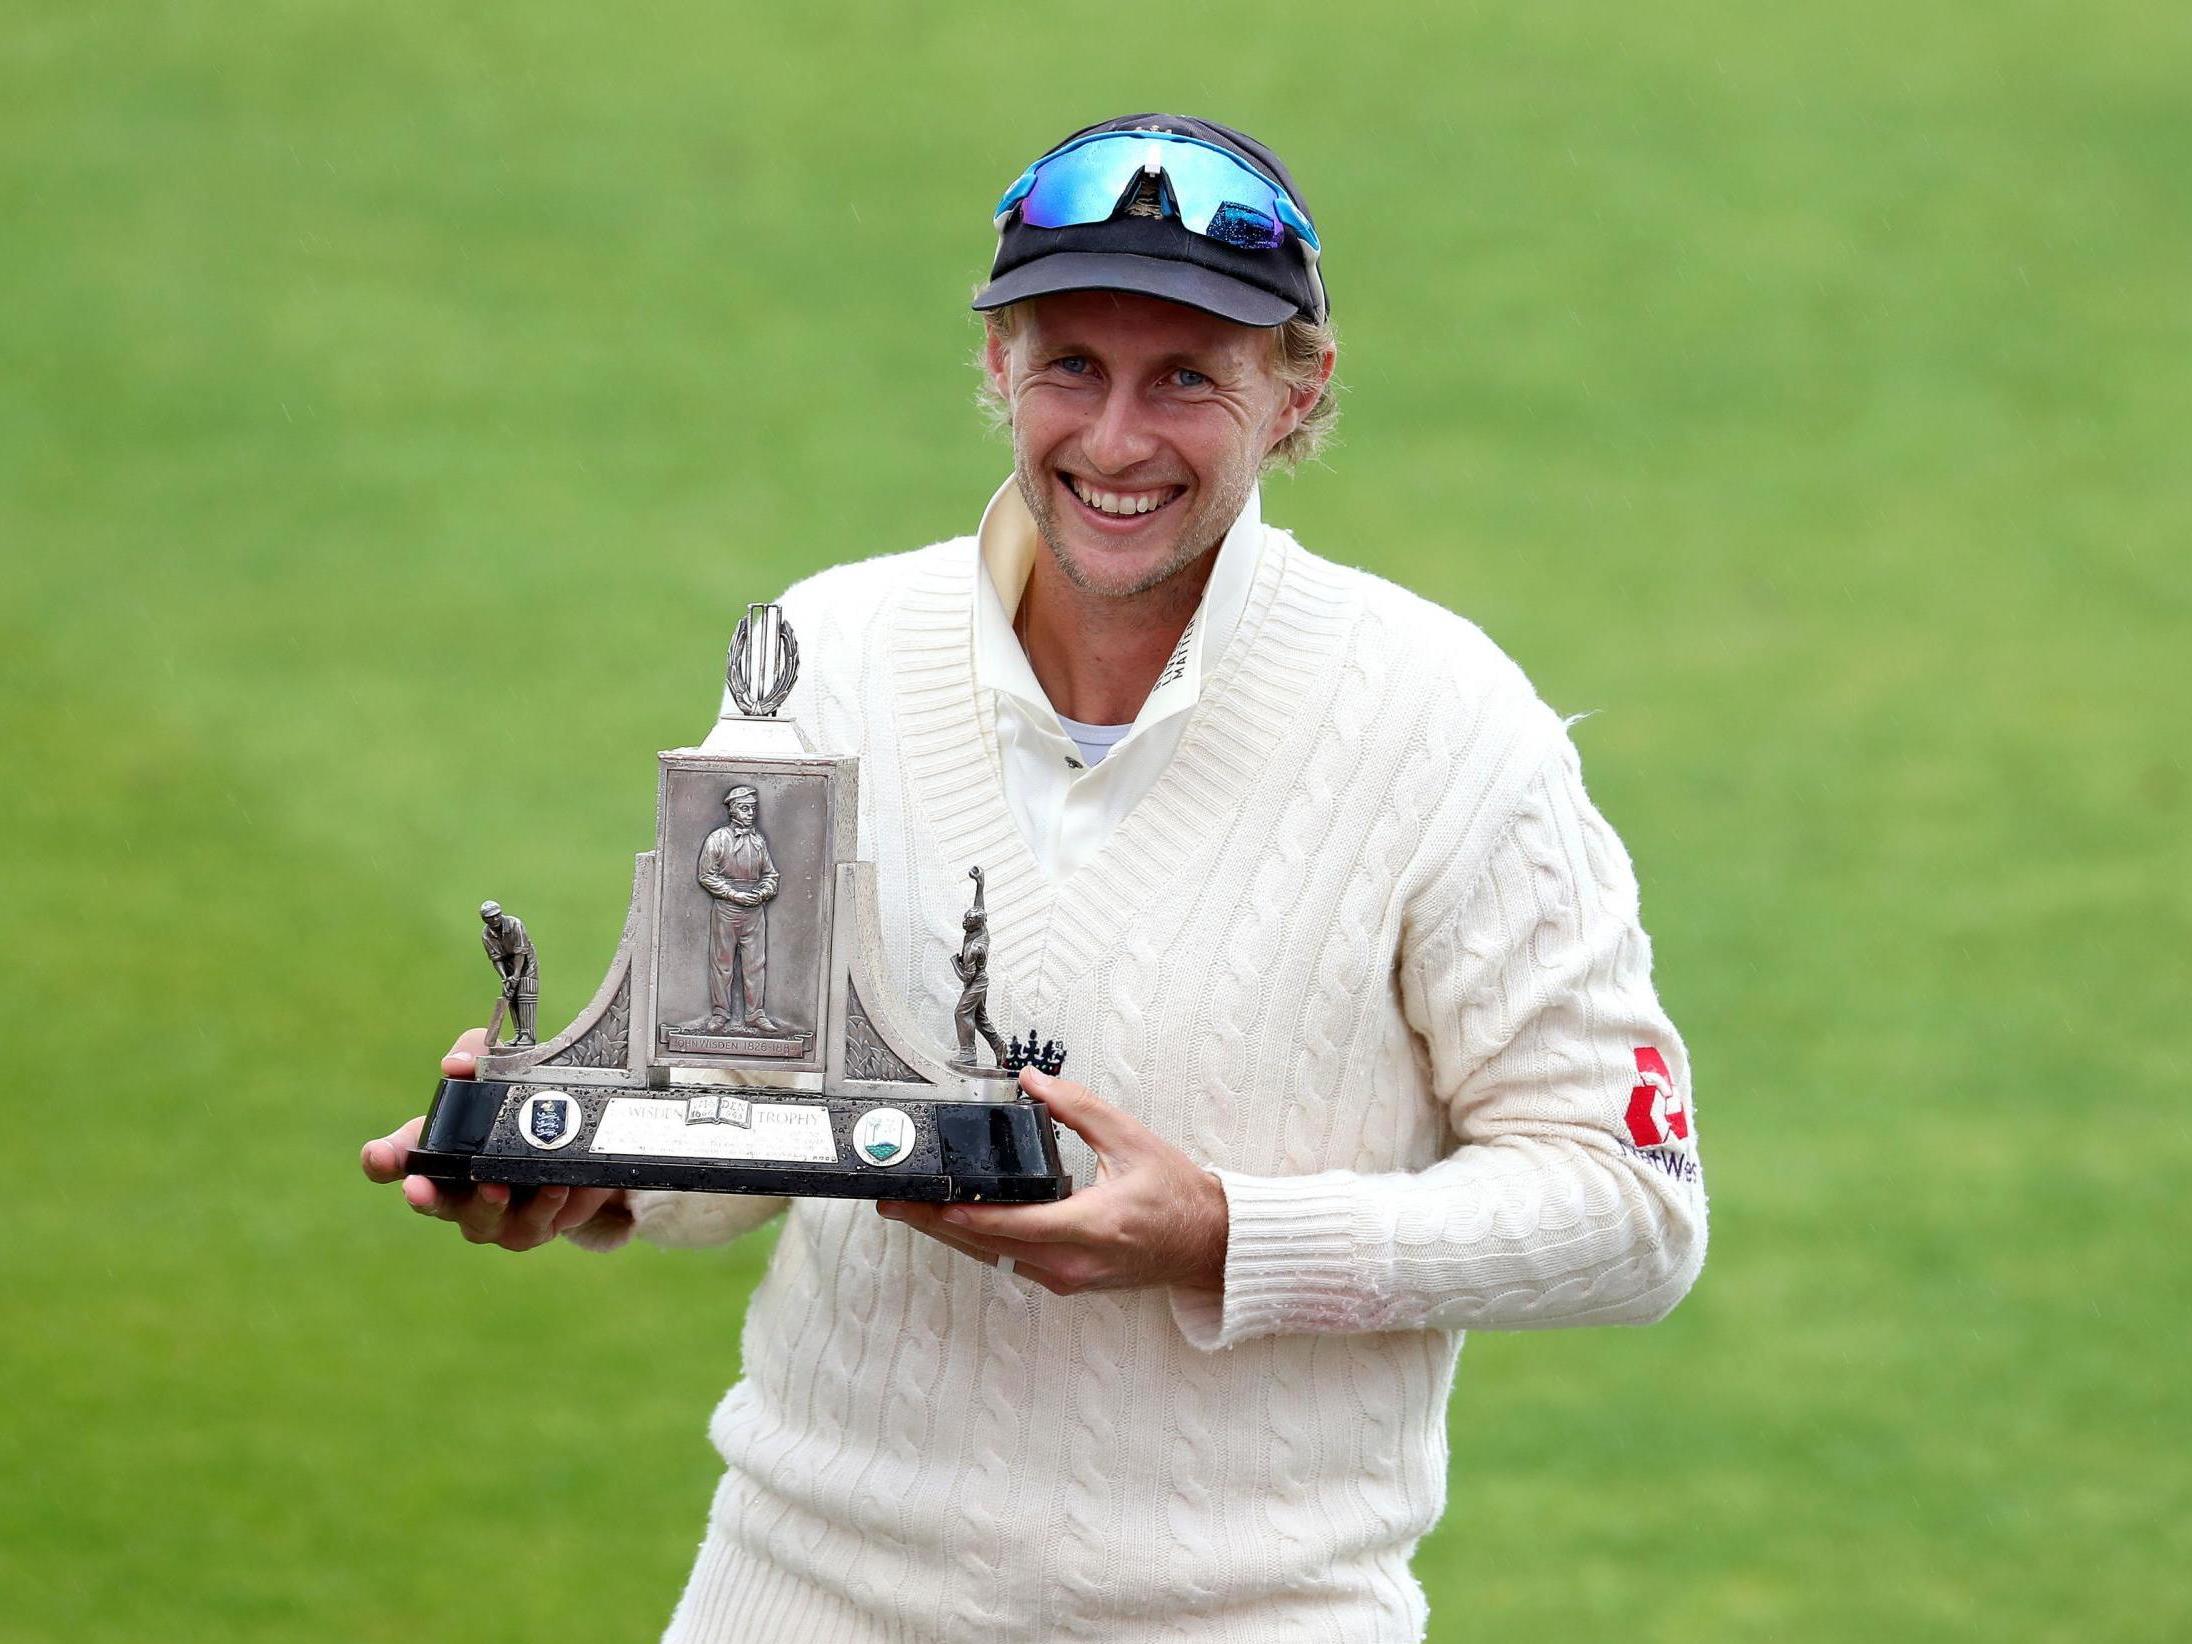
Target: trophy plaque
x,y
745,1039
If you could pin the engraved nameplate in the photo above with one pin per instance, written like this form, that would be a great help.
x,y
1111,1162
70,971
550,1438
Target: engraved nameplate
x,y
735,1044
784,1132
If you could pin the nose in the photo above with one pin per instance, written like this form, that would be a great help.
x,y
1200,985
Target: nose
x,y
1121,435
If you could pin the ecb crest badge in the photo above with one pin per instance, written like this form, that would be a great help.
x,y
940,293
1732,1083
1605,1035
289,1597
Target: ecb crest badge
x,y
550,1119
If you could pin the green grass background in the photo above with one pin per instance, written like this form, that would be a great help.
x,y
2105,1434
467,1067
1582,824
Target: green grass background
x,y
398,402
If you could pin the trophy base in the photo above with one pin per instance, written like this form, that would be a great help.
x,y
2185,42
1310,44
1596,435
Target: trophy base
x,y
748,1140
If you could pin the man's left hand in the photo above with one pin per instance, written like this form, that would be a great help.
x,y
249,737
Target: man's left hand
x,y
1154,1216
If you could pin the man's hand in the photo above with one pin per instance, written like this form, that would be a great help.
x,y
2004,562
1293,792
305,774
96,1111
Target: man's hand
x,y
490,1213
1154,1216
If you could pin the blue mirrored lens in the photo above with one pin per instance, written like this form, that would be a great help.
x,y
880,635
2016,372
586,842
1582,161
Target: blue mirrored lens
x,y
1080,186
1222,198
1216,195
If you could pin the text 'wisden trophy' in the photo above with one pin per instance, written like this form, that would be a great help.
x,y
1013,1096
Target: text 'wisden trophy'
x,y
745,1039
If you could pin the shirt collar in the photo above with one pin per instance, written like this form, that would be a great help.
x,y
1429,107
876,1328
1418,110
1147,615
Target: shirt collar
x,y
1009,542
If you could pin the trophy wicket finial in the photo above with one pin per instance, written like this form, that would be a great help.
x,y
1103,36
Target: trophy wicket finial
x,y
764,662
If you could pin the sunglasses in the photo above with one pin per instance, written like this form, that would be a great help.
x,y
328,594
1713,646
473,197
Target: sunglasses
x,y
1211,191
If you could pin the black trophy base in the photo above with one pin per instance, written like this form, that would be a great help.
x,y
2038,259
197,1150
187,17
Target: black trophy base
x,y
746,1140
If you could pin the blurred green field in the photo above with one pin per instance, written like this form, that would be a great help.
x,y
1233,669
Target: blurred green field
x,y
398,402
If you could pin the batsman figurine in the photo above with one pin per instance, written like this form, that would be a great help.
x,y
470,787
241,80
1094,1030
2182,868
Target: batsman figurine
x,y
510,951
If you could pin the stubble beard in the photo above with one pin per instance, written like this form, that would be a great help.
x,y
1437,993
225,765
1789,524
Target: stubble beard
x,y
1202,531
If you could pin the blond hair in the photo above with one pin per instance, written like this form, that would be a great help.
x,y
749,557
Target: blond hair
x,y
1298,348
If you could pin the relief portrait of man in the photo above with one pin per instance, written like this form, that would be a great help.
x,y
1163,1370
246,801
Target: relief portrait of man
x,y
740,877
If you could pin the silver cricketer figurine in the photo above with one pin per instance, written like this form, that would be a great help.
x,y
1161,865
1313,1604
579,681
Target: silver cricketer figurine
x,y
971,963
510,951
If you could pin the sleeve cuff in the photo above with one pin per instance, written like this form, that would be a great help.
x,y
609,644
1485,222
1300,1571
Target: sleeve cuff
x,y
676,1221
1293,1261
610,1229
689,1221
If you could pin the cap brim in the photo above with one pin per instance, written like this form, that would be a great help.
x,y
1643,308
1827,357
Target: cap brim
x,y
1189,283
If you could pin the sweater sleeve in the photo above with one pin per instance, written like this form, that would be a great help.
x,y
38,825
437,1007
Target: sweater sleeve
x,y
677,1221
1575,1194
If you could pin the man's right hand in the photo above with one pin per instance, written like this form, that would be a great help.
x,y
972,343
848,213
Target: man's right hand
x,y
491,1213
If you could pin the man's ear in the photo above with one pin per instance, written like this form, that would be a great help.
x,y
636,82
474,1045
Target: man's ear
x,y
996,360
1301,401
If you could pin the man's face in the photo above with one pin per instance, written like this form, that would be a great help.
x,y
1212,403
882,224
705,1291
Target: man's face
x,y
1138,429
742,812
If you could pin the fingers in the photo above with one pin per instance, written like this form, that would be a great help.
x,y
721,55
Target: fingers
x,y
939,1225
490,1213
479,1213
922,1219
965,1249
1084,1218
382,1158
495,1213
1105,1128
532,1221
584,1204
512,1218
1033,1261
440,1200
462,1062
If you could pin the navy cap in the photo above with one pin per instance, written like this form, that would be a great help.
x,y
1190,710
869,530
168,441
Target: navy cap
x,y
1156,256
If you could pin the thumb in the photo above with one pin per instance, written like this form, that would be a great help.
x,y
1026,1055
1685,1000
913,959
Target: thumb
x,y
1111,1131
462,1062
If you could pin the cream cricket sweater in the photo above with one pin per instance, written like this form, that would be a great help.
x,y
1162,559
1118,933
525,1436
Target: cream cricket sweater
x,y
1368,952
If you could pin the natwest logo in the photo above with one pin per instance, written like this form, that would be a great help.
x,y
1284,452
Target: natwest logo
x,y
1658,1116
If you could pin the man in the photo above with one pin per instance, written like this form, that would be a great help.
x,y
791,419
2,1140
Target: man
x,y
740,878
1306,875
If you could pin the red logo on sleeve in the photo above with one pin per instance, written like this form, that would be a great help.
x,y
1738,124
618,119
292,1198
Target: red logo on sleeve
x,y
1658,1116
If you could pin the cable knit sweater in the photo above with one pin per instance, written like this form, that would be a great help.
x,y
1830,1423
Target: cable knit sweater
x,y
1368,953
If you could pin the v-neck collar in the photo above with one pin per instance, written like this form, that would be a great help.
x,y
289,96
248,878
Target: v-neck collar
x,y
1008,544
1254,698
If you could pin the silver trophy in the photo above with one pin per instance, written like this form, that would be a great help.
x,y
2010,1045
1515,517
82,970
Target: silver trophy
x,y
745,1039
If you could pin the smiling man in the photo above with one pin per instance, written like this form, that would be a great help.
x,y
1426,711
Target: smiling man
x,y
1365,1043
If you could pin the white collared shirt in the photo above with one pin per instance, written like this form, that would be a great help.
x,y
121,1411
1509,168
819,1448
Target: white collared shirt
x,y
1064,807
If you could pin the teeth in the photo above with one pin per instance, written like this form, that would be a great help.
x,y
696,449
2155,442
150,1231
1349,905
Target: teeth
x,y
1110,502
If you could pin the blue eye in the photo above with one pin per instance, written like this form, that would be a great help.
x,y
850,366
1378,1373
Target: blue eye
x,y
1074,364
1190,378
